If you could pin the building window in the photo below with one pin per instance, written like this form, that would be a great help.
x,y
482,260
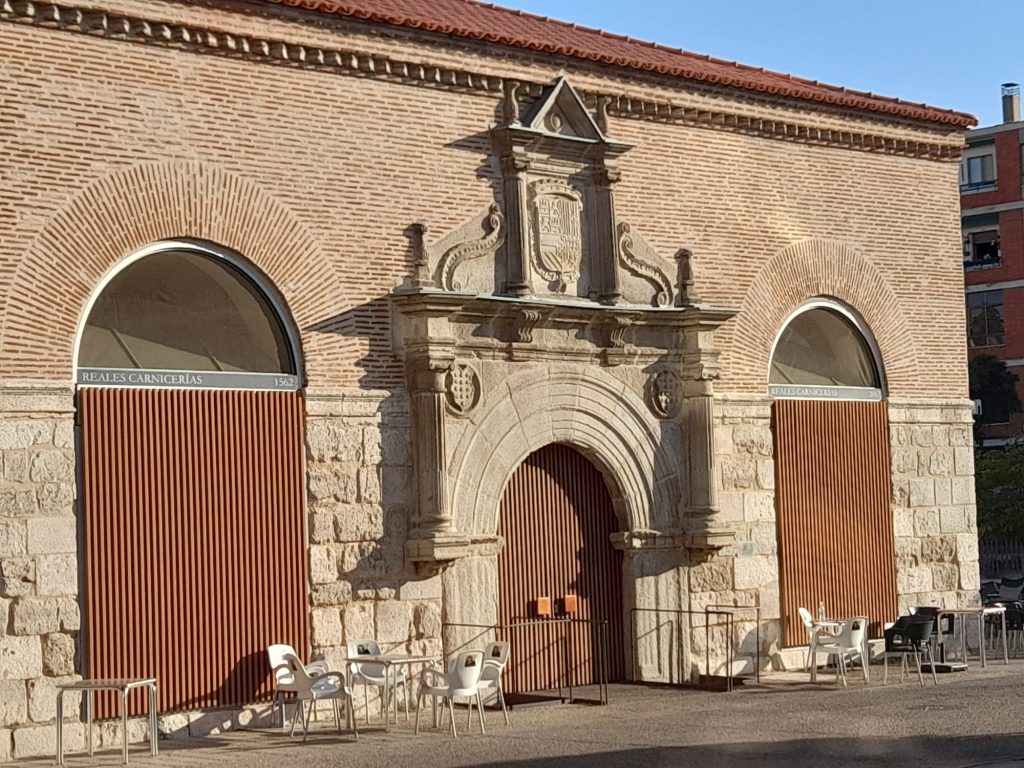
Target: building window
x,y
823,352
985,319
978,171
981,249
184,310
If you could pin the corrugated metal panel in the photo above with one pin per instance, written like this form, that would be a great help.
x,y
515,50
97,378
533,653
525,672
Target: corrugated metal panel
x,y
195,539
833,498
557,520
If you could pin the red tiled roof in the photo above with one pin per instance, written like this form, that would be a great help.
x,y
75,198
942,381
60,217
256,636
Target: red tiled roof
x,y
494,24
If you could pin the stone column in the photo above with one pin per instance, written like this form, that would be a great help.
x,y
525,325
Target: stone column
x,y
604,236
700,517
428,414
517,241
699,425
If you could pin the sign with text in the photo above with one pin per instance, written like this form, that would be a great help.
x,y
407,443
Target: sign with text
x,y
131,377
818,392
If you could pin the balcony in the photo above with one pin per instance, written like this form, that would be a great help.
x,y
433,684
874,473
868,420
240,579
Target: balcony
x,y
978,186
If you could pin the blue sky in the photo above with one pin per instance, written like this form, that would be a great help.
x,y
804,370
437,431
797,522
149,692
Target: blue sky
x,y
948,53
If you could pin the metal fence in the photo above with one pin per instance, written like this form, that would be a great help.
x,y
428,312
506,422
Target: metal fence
x,y
716,617
999,557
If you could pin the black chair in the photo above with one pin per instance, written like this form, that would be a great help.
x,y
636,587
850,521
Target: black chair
x,y
1014,627
939,628
910,636
1010,587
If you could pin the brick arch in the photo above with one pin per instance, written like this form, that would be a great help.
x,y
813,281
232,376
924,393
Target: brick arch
x,y
590,412
127,210
806,270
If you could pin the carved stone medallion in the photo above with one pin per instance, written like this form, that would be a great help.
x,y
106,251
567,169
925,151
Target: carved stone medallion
x,y
558,240
664,394
462,389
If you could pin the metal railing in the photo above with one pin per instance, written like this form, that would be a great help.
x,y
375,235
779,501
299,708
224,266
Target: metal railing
x,y
998,557
728,612
565,681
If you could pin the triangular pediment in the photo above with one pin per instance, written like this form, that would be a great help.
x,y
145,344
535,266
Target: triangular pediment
x,y
560,111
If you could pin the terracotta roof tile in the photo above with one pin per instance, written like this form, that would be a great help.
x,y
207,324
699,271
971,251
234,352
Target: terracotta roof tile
x,y
494,24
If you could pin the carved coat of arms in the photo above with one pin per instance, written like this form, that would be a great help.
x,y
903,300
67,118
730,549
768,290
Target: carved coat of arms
x,y
557,213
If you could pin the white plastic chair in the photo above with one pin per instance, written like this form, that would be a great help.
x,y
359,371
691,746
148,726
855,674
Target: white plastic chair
x,y
328,685
373,674
808,620
849,640
495,659
284,679
462,681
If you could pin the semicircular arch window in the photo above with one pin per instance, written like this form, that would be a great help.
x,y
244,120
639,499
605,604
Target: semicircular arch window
x,y
821,352
184,311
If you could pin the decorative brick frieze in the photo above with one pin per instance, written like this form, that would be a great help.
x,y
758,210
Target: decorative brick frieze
x,y
204,40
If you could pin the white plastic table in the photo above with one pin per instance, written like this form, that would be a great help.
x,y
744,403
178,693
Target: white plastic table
x,y
391,661
975,613
124,687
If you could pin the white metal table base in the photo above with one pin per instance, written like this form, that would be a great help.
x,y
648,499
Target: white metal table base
x,y
124,687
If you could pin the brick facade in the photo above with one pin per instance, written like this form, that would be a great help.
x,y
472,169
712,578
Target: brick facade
x,y
315,172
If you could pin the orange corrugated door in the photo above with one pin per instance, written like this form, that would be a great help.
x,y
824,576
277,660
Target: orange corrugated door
x,y
557,520
194,539
834,514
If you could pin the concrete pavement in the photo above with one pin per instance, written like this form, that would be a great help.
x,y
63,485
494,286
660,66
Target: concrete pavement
x,y
968,719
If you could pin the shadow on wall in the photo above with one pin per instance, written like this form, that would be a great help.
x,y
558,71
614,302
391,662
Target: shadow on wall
x,y
370,325
371,321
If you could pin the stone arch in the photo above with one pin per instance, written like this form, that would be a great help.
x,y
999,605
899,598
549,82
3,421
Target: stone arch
x,y
803,271
129,209
593,413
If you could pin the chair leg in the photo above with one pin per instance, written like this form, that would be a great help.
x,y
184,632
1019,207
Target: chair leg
x,y
885,670
501,700
419,707
405,685
931,664
366,703
451,708
305,722
469,713
480,713
295,716
917,660
279,703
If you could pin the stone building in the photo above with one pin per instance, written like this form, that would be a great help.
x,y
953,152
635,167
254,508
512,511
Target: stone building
x,y
327,321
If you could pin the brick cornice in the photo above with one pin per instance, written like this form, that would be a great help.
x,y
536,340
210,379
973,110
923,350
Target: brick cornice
x,y
204,40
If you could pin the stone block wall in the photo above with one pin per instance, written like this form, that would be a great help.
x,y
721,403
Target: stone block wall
x,y
360,497
934,520
746,574
934,513
40,618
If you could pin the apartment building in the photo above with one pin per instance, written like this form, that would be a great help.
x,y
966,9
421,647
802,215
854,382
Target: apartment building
x,y
992,211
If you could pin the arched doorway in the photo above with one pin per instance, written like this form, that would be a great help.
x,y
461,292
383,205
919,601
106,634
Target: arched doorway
x,y
191,441
833,470
556,520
